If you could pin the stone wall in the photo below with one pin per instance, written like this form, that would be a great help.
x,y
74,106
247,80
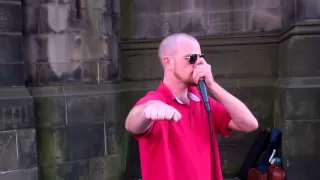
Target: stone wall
x,y
149,19
71,50
18,155
65,91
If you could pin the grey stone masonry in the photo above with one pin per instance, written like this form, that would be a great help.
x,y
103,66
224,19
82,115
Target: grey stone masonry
x,y
67,79
11,62
18,152
71,42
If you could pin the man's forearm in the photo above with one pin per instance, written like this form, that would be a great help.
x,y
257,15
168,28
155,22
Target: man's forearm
x,y
240,114
136,121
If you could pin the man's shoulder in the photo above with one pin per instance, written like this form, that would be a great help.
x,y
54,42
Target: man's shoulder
x,y
151,95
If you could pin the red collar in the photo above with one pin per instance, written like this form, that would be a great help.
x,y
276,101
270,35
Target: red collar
x,y
193,93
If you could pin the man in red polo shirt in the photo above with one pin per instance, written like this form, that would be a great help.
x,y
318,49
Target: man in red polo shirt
x,y
171,123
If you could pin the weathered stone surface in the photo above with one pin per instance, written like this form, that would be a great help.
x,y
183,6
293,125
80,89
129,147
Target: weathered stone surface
x,y
226,61
51,111
149,66
307,9
10,51
260,102
111,139
57,145
301,149
18,150
233,61
301,103
104,168
16,113
92,108
27,149
69,72
9,154
75,44
66,171
10,17
71,58
52,145
92,142
288,10
232,156
298,56
11,67
25,174
73,170
12,75
201,17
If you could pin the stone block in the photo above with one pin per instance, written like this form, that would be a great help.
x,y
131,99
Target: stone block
x,y
27,149
111,139
69,72
259,100
92,142
71,58
298,56
301,145
10,18
31,18
9,153
226,61
203,17
92,108
12,75
50,111
231,158
288,9
143,65
16,113
301,103
52,146
25,174
17,152
109,6
11,49
307,9
65,171
73,170
104,168
108,71
260,63
53,18
59,145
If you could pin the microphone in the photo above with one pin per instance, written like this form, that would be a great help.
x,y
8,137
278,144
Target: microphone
x,y
204,94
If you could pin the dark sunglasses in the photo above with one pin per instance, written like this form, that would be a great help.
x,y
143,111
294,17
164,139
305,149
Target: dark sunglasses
x,y
194,57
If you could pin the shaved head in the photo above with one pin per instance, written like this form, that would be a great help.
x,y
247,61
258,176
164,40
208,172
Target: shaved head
x,y
169,46
174,52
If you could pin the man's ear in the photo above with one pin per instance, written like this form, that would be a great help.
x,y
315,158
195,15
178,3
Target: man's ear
x,y
167,62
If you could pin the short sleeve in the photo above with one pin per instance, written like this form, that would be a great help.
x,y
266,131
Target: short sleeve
x,y
152,95
221,118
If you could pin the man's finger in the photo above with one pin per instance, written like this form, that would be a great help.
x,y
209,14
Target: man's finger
x,y
169,113
161,113
154,113
176,116
200,61
147,113
199,76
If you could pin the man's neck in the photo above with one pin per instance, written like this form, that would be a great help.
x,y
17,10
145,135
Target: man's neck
x,y
178,88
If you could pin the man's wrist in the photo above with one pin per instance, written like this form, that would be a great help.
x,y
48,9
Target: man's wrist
x,y
213,87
